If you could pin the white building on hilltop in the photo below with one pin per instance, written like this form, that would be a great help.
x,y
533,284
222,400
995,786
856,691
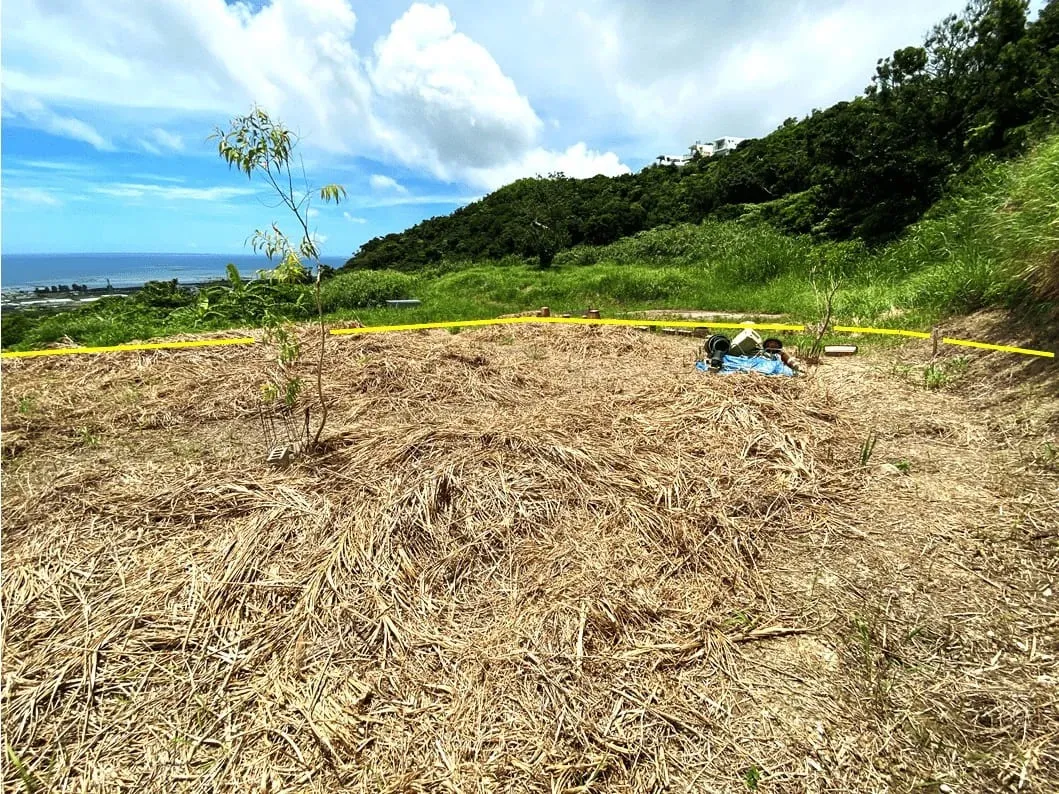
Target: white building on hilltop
x,y
717,148
723,146
673,159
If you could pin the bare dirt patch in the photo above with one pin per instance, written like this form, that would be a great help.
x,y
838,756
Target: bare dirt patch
x,y
531,559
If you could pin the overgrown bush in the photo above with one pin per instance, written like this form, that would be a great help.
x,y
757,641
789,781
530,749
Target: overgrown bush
x,y
163,294
14,327
361,289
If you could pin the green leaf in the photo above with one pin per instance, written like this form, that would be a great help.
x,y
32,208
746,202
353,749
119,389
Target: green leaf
x,y
335,193
29,780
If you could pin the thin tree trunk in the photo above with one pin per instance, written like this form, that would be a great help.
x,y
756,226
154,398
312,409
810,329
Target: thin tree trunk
x,y
320,361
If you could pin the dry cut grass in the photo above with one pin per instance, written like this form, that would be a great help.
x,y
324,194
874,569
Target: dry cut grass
x,y
528,560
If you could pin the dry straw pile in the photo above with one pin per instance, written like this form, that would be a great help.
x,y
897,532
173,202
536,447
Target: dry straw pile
x,y
527,561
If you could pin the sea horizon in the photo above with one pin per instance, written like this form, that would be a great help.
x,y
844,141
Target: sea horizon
x,y
26,272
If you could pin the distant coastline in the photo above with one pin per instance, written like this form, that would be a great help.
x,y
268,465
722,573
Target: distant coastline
x,y
22,273
105,276
16,299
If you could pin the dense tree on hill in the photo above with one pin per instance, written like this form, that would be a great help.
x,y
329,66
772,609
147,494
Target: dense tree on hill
x,y
984,82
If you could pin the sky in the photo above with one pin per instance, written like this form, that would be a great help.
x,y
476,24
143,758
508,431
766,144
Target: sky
x,y
415,108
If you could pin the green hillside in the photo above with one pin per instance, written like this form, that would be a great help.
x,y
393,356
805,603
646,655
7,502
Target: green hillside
x,y
983,82
994,241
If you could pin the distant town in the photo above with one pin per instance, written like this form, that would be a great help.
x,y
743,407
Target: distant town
x,y
62,296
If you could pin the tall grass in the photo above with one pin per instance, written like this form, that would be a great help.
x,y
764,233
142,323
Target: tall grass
x,y
1028,220
739,251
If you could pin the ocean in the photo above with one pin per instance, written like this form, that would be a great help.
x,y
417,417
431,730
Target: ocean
x,y
26,271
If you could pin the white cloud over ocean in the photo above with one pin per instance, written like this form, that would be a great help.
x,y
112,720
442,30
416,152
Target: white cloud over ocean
x,y
426,96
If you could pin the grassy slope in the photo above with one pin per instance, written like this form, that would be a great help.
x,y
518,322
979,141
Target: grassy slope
x,y
993,236
976,249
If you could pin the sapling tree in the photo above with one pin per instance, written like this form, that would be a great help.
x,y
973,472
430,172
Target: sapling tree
x,y
825,298
257,144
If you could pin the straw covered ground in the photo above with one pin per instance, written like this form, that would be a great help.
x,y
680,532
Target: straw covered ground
x,y
547,559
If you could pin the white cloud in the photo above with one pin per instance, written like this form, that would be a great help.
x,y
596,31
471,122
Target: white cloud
x,y
160,178
577,162
450,102
168,140
312,213
426,96
740,69
31,110
353,218
193,57
659,74
457,91
55,165
380,182
456,111
319,239
376,202
30,195
136,190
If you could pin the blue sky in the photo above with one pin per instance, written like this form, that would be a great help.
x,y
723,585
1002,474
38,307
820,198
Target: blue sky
x,y
415,108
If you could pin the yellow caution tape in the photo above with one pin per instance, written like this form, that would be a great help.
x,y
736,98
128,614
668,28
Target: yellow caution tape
x,y
678,324
1003,348
854,329
376,329
66,351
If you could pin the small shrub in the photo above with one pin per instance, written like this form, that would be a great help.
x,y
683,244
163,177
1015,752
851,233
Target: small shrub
x,y
1047,456
935,377
88,436
752,777
941,374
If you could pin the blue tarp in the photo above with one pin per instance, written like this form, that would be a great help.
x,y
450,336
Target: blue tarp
x,y
762,364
